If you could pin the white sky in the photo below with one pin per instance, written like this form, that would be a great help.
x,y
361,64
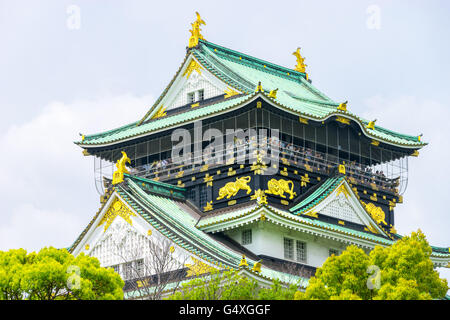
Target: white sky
x,y
56,82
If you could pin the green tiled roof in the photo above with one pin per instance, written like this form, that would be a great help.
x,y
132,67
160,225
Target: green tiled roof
x,y
318,195
206,222
232,214
132,130
295,92
162,188
243,72
240,213
173,221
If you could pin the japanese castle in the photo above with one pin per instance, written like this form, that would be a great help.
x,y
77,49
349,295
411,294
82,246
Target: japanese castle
x,y
243,164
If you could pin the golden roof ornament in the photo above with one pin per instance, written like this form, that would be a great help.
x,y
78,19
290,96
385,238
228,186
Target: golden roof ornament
x,y
243,262
195,31
343,106
259,87
121,168
301,66
273,94
371,124
257,267
419,137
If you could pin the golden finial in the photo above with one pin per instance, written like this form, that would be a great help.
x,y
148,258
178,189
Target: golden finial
x,y
419,137
371,124
195,32
243,262
259,87
301,66
273,94
343,106
257,267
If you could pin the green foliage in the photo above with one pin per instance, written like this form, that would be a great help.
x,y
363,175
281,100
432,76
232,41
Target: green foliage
x,y
405,271
55,274
229,285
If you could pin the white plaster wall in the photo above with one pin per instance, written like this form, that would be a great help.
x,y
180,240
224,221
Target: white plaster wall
x,y
269,240
193,84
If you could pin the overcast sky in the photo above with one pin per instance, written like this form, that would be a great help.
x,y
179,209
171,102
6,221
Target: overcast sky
x,y
60,75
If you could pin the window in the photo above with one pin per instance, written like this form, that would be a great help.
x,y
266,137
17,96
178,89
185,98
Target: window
x,y
203,196
288,248
301,251
247,236
191,97
334,251
140,267
201,95
192,194
196,96
128,270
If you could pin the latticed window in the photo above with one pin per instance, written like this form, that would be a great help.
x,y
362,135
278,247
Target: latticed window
x,y
247,236
128,270
192,194
191,97
203,196
201,95
140,267
301,251
334,251
288,248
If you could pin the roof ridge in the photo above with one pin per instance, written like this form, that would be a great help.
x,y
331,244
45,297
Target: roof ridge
x,y
267,67
252,58
151,181
326,184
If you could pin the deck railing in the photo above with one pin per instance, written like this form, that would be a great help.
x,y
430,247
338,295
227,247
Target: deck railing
x,y
288,154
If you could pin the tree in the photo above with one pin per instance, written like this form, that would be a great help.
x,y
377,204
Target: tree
x,y
401,271
150,266
55,274
229,285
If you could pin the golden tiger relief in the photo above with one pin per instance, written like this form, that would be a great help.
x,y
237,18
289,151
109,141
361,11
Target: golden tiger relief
x,y
232,188
279,187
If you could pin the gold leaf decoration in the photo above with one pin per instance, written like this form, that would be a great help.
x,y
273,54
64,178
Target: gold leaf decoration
x,y
117,208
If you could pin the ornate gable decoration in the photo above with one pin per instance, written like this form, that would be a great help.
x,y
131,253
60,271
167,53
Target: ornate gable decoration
x,y
343,205
193,66
192,79
117,208
341,208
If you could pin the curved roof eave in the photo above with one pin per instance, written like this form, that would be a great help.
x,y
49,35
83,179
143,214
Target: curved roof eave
x,y
272,102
